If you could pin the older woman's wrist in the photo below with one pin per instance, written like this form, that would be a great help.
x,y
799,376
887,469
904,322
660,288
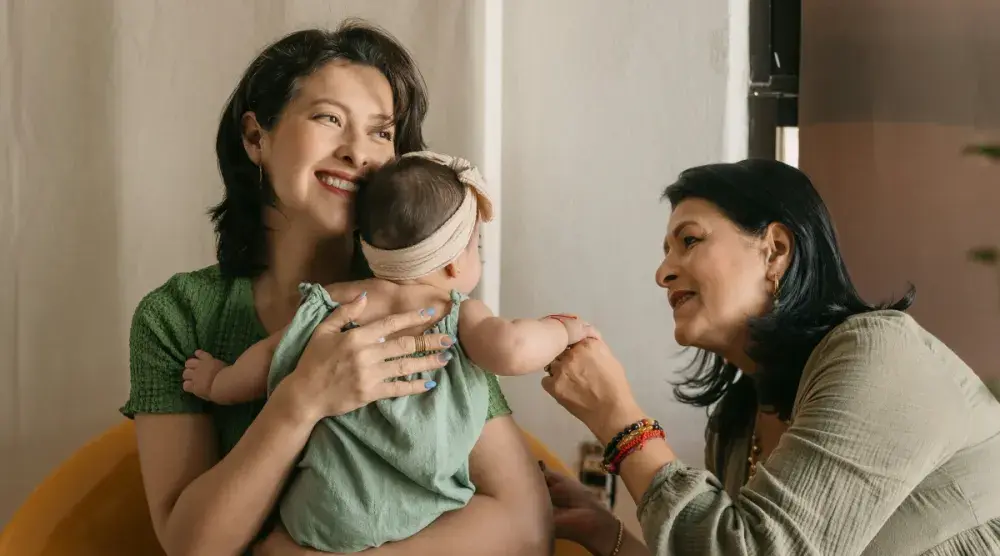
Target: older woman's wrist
x,y
602,537
615,420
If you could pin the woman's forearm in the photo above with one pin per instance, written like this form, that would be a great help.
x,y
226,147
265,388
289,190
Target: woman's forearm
x,y
478,528
220,512
638,468
632,546
510,513
483,527
601,537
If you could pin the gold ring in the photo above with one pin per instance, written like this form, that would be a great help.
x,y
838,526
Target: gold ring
x,y
421,342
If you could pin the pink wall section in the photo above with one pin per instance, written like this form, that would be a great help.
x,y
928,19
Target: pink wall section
x,y
907,207
891,91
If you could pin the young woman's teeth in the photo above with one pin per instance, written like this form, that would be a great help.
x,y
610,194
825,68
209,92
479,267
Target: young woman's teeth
x,y
338,183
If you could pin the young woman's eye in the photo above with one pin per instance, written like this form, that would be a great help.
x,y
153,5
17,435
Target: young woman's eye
x,y
332,118
385,135
689,241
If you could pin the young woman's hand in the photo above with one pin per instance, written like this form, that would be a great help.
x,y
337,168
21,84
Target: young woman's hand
x,y
340,371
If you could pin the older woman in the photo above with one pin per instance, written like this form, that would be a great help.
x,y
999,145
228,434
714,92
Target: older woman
x,y
837,427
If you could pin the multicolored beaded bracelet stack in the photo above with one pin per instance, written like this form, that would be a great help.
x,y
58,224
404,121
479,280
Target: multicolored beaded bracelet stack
x,y
632,439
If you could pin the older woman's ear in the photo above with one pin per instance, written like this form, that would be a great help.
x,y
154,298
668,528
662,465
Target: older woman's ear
x,y
779,243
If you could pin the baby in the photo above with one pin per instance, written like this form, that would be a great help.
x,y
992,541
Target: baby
x,y
385,471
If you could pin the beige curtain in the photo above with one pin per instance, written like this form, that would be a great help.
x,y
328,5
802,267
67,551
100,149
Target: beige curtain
x,y
892,91
108,111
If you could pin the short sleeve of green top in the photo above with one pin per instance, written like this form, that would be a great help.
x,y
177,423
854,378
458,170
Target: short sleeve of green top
x,y
204,310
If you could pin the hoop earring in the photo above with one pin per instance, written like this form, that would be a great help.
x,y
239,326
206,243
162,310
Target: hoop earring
x,y
777,289
260,178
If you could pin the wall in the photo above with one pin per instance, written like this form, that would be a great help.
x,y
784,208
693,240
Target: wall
x,y
602,108
107,167
891,93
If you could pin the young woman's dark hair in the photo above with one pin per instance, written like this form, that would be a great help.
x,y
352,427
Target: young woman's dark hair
x,y
265,89
815,294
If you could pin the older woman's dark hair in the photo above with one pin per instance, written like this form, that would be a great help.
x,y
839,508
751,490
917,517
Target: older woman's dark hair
x,y
266,87
815,294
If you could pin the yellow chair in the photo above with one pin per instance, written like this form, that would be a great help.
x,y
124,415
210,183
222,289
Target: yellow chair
x,y
94,504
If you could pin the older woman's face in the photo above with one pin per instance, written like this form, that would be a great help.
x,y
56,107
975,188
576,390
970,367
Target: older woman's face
x,y
716,276
334,127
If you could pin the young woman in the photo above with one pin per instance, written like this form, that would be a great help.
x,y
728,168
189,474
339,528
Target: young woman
x,y
311,112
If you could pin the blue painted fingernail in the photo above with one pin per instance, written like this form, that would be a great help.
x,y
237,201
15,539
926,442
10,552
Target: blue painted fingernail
x,y
430,384
445,357
427,312
363,294
448,341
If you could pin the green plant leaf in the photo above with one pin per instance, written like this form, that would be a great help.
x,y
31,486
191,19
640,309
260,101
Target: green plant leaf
x,y
985,255
989,151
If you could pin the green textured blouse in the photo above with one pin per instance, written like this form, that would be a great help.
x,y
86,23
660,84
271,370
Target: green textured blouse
x,y
894,449
204,310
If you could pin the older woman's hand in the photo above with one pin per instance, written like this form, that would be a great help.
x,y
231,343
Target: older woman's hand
x,y
579,516
590,383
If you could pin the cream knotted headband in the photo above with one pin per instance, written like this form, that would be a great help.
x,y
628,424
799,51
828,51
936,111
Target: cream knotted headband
x,y
445,244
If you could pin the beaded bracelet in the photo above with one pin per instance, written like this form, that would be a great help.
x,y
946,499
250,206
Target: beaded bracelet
x,y
633,446
641,424
560,316
629,440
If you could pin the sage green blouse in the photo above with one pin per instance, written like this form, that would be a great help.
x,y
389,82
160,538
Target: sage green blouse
x,y
894,449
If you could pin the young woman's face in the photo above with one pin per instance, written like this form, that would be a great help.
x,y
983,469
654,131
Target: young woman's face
x,y
337,124
716,276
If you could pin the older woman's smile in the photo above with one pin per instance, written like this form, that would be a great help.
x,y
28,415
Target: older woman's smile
x,y
680,297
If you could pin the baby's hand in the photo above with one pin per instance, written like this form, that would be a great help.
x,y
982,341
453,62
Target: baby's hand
x,y
576,328
199,373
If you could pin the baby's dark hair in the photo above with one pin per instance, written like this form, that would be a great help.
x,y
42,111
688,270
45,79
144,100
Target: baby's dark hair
x,y
405,201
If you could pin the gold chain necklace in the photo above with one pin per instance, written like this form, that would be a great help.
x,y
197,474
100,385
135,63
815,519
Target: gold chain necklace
x,y
754,454
755,450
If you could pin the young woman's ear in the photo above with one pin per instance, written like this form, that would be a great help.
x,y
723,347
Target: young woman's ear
x,y
253,138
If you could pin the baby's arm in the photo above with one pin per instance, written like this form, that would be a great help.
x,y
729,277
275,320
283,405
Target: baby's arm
x,y
243,381
512,347
246,379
